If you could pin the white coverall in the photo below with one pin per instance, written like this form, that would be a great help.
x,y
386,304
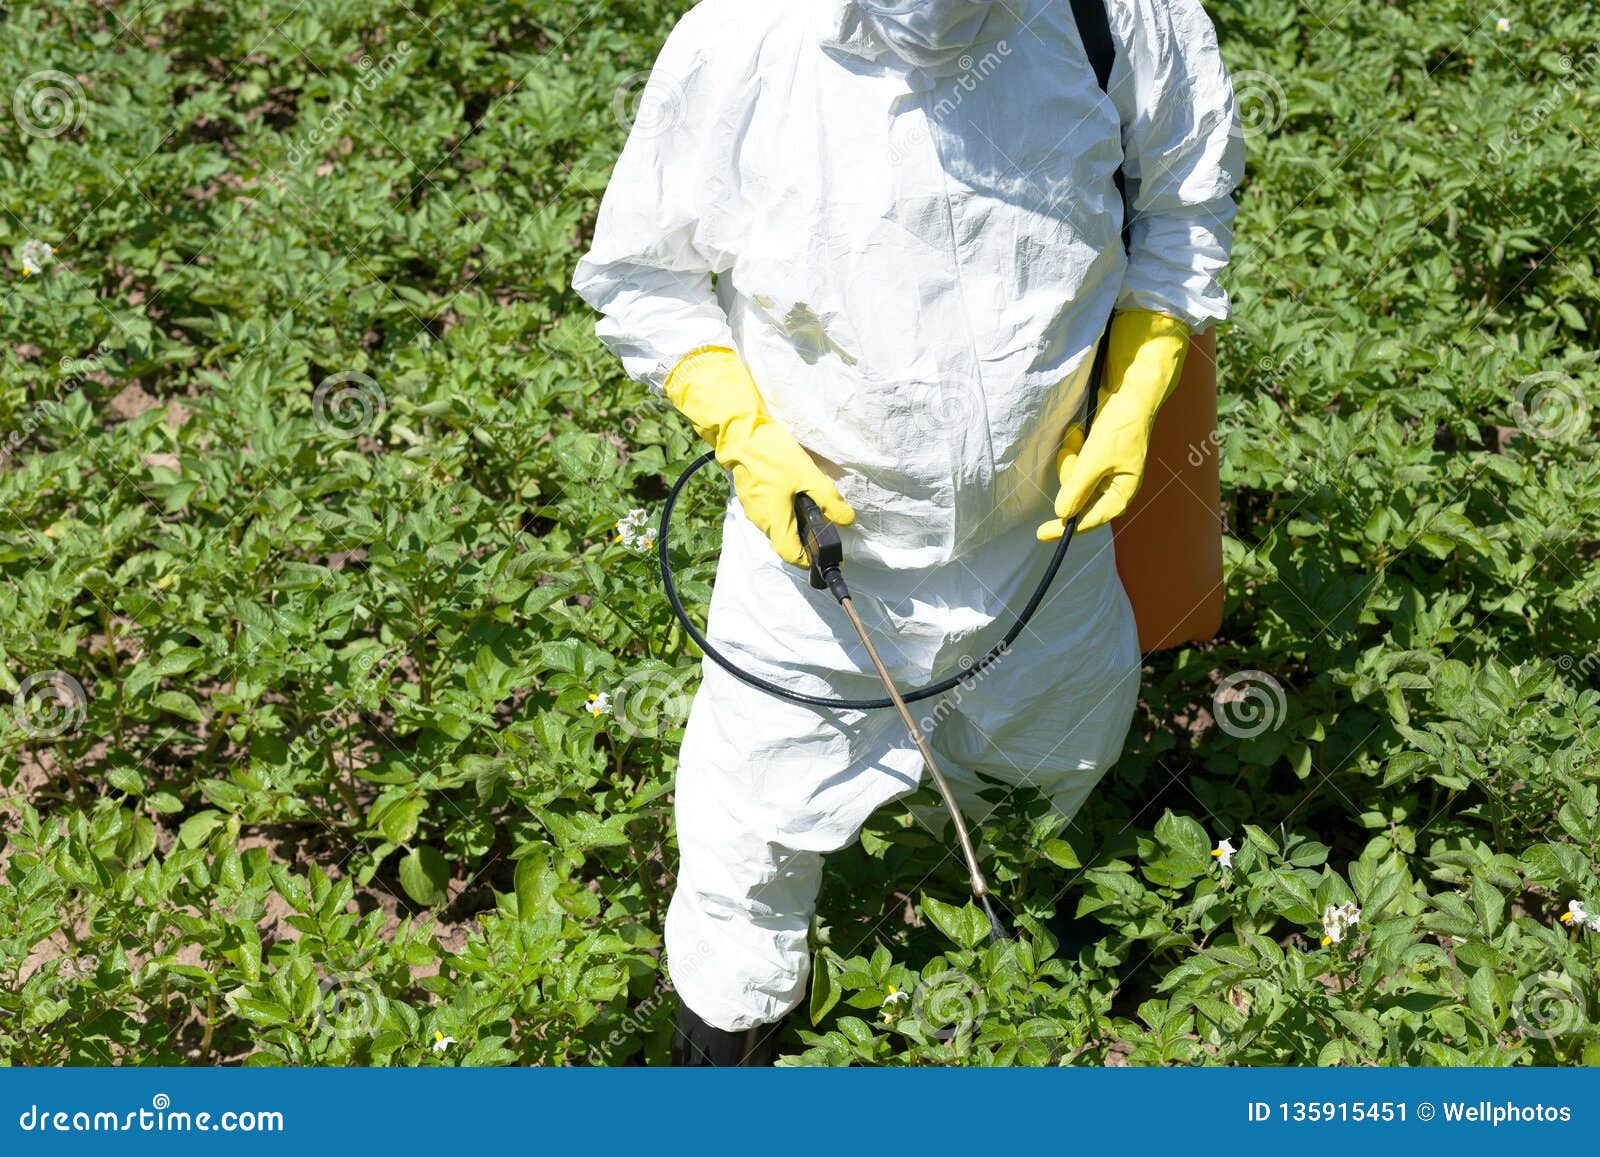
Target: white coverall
x,y
916,264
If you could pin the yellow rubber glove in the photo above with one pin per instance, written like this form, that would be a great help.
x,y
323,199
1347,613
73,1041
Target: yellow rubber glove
x,y
1100,476
714,390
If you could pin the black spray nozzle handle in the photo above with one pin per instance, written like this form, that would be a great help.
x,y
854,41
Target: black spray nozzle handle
x,y
823,546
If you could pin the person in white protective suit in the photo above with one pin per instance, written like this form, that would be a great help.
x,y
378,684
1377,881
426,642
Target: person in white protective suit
x,y
869,249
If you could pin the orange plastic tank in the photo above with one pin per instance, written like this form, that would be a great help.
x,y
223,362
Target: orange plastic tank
x,y
1169,542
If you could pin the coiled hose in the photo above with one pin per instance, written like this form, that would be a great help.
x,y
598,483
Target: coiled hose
x,y
942,686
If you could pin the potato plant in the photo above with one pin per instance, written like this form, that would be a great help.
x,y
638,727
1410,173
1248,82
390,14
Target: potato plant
x,y
339,704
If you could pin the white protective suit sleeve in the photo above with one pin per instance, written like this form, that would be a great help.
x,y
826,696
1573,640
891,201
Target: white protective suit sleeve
x,y
649,272
1184,157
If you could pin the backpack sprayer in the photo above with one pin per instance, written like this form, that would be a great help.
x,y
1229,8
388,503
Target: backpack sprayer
x,y
825,550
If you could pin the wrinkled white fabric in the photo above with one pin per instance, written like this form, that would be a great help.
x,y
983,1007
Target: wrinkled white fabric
x,y
766,788
933,32
915,268
916,264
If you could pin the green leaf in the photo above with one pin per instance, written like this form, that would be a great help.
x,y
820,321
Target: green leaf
x,y
1480,995
1263,841
857,1030
1308,854
261,1013
1184,834
398,821
179,704
176,661
966,926
825,991
534,885
945,917
425,875
126,780
195,830
1061,854
1364,1028
1489,904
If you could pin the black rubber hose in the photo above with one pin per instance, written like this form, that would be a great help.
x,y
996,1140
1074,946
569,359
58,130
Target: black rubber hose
x,y
1096,374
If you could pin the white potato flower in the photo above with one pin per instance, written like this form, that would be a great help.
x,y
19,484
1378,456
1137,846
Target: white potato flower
x,y
1580,917
35,254
1337,920
636,531
895,1002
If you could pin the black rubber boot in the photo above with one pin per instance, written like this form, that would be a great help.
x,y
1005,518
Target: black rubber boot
x,y
697,1045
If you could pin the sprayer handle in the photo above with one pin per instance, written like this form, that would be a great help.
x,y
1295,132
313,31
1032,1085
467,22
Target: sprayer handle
x,y
821,540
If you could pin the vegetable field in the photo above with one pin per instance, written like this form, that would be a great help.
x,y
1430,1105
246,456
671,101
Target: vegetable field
x,y
338,719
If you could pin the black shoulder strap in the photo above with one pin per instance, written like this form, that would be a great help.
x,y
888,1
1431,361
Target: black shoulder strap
x,y
1094,29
